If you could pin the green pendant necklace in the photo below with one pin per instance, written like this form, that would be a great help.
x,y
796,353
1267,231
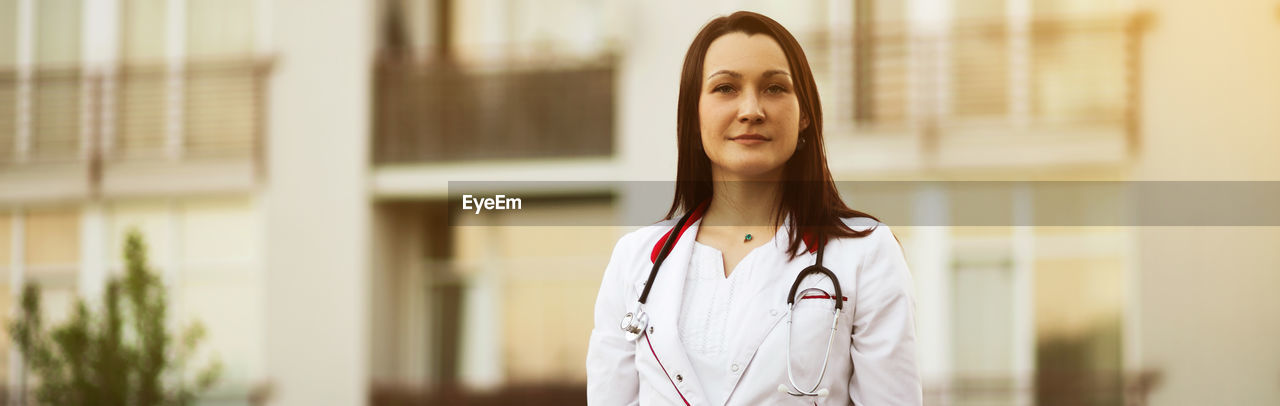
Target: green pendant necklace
x,y
747,238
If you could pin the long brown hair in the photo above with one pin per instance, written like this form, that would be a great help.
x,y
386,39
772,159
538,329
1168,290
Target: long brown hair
x,y
807,191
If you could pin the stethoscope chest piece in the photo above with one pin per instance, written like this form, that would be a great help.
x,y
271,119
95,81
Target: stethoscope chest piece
x,y
634,323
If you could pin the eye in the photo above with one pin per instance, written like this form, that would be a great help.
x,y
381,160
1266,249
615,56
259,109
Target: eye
x,y
775,89
722,88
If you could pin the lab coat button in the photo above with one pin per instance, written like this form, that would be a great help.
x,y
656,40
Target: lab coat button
x,y
773,312
679,378
650,329
734,368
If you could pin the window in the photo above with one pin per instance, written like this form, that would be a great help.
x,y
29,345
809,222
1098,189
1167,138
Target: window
x,y
1079,63
51,242
980,60
880,52
221,101
210,246
218,95
221,283
505,79
1079,310
7,291
219,28
532,30
521,259
983,331
142,84
55,104
8,34
993,66
8,78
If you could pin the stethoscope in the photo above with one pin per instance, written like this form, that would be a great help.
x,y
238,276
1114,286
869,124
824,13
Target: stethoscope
x,y
633,324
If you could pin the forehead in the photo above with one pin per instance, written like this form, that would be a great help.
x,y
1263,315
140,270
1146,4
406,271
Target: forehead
x,y
746,54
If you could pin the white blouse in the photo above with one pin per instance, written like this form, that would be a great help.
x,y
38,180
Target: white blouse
x,y
712,303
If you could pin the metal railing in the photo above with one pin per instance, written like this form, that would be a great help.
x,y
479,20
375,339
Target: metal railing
x,y
135,112
55,112
435,112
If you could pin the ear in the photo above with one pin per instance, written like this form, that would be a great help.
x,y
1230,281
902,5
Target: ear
x,y
804,122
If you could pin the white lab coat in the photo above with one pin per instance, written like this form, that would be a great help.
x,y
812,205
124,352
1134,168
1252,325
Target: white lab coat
x,y
872,360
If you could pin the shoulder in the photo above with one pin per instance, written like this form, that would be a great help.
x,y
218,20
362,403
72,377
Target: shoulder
x,y
863,223
879,238
878,258
877,252
647,235
634,248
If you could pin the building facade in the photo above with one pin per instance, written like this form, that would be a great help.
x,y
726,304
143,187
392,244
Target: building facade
x,y
289,163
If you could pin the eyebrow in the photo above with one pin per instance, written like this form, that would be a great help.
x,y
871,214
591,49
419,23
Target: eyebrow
x,y
736,75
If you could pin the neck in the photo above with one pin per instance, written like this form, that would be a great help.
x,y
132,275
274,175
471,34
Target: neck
x,y
743,203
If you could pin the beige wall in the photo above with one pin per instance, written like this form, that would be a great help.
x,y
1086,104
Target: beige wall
x,y
317,203
1210,91
1209,316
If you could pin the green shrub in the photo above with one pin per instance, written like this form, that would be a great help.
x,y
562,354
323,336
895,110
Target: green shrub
x,y
118,354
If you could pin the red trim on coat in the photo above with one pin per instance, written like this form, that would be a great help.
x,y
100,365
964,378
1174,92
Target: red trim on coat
x,y
697,214
808,242
842,298
664,370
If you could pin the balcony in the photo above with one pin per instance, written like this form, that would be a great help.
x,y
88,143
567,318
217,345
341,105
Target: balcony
x,y
437,113
69,133
1042,90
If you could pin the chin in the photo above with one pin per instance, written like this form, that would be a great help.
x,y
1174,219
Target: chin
x,y
754,169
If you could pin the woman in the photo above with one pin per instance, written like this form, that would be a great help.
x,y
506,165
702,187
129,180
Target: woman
x,y
759,205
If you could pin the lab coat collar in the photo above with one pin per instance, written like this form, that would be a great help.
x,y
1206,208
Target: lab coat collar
x,y
696,217
782,235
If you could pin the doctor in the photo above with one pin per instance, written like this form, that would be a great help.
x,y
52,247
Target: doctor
x,y
729,317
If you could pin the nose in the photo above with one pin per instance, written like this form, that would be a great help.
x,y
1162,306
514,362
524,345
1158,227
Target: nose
x,y
750,111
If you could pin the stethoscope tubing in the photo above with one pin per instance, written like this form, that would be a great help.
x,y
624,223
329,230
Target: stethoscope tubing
x,y
662,255
835,317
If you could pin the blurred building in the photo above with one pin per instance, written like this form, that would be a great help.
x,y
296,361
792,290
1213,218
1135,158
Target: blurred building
x,y
145,114
289,165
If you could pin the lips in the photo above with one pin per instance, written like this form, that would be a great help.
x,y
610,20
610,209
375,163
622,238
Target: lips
x,y
745,137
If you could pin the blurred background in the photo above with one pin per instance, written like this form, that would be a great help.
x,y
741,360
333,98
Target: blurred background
x,y
288,163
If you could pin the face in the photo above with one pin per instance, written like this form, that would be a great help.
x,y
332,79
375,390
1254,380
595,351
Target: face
x,y
748,111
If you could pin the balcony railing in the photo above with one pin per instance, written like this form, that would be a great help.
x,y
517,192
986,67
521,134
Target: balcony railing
x,y
134,113
993,75
428,112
